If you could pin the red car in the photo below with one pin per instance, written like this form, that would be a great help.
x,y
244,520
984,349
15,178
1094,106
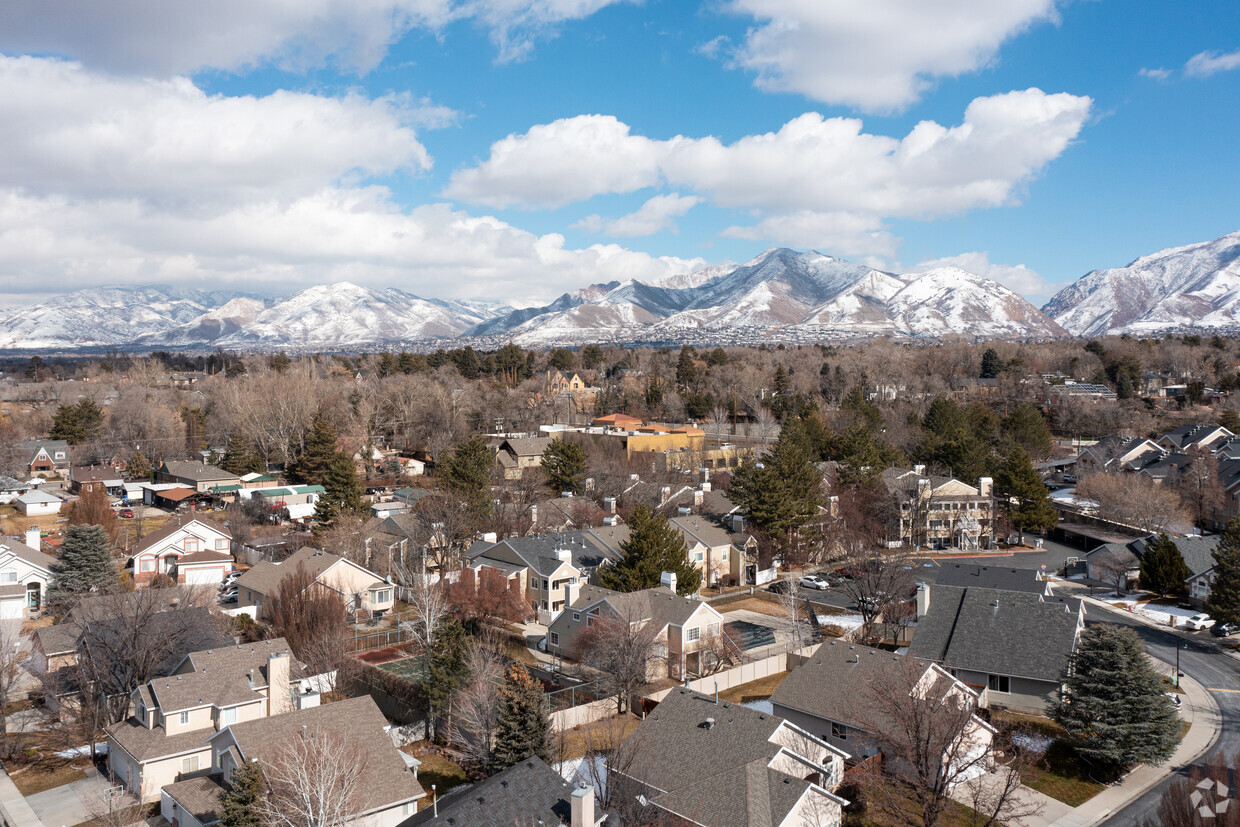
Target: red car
x,y
127,513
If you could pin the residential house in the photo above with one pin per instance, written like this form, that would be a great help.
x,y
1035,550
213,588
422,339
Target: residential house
x,y
1198,554
548,570
831,696
38,503
11,489
1016,644
363,591
687,630
1195,436
45,456
24,575
1115,564
1113,454
85,478
514,455
940,512
702,761
195,551
388,792
569,384
168,736
197,476
710,550
527,791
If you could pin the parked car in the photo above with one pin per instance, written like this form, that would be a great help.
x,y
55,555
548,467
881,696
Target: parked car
x,y
228,595
126,513
1198,622
813,581
1224,629
778,587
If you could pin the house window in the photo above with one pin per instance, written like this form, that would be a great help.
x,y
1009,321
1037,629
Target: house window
x,y
577,616
839,731
184,718
555,638
221,543
544,584
383,596
712,628
692,633
228,716
8,576
147,564
723,555
191,543
698,556
189,764
999,683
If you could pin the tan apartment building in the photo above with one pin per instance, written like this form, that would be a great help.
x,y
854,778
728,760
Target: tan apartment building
x,y
940,512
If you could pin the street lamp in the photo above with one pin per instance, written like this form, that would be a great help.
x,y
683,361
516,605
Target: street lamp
x,y
1183,645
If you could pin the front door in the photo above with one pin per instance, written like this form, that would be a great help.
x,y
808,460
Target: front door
x,y
34,597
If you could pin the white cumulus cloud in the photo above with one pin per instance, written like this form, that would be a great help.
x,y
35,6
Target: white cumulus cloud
x,y
654,216
813,172
1205,64
875,56
168,37
1156,74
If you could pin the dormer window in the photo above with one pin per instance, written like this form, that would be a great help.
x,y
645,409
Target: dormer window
x,y
184,719
191,543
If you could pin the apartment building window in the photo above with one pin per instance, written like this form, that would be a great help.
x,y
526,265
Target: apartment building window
x,y
555,638
189,764
577,616
999,683
723,555
692,633
544,584
839,731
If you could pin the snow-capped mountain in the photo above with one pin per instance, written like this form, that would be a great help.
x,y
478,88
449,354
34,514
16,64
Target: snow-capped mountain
x,y
106,316
1193,286
787,290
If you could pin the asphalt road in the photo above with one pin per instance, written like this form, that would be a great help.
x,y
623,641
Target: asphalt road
x,y
1213,670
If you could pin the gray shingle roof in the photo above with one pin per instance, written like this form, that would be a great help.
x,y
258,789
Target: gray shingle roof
x,y
526,792
198,471
967,575
266,576
200,797
145,744
829,684
714,774
539,552
998,632
359,722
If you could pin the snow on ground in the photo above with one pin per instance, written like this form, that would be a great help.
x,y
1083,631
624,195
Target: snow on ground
x,y
761,706
77,752
1030,742
1160,613
576,772
845,622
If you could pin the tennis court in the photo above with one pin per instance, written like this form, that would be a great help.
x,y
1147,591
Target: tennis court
x,y
411,669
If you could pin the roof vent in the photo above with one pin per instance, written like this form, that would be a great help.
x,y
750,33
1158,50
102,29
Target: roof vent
x,y
709,724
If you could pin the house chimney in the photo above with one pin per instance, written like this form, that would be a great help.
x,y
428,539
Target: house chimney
x,y
490,537
665,494
923,600
583,807
609,505
738,523
33,538
278,699
984,486
668,578
533,514
565,555
919,470
706,486
697,497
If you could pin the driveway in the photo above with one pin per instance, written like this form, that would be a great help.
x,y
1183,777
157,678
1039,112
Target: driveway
x,y
71,804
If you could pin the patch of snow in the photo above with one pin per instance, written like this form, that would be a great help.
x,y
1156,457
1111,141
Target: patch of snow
x,y
761,706
80,752
845,622
577,772
1031,742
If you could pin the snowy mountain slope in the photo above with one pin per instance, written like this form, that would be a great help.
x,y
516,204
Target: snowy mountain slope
x,y
346,314
105,316
786,289
211,326
1196,285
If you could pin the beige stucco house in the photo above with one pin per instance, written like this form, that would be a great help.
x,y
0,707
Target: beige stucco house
x,y
363,591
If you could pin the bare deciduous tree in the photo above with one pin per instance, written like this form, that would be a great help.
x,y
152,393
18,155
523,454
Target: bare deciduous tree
x,y
880,586
10,676
625,648
427,596
1136,500
475,707
312,618
314,779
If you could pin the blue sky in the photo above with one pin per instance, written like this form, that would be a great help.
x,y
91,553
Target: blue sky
x,y
514,149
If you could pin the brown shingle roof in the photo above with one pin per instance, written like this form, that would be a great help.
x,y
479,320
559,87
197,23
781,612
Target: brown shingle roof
x,y
204,557
146,744
266,576
173,526
357,720
29,555
200,797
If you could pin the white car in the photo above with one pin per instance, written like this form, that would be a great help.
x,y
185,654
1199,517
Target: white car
x,y
1198,622
813,581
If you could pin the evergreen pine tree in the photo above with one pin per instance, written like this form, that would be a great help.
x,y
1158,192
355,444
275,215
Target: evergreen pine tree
x,y
781,491
1230,420
85,564
686,367
565,464
523,725
1224,601
1114,707
1027,428
239,804
1162,566
654,546
991,364
341,483
1021,490
311,468
138,467
236,455
467,473
446,668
